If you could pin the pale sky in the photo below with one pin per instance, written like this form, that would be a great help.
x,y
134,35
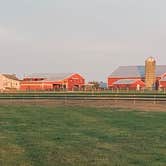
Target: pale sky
x,y
91,37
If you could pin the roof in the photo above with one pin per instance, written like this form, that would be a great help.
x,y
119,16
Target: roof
x,y
50,76
11,76
136,71
163,79
150,59
126,81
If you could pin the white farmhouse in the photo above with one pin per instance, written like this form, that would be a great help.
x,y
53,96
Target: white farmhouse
x,y
9,82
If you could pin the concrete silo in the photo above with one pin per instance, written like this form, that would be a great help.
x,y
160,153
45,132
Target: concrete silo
x,y
150,72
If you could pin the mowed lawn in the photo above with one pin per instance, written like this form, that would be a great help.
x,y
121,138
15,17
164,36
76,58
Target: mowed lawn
x,y
80,136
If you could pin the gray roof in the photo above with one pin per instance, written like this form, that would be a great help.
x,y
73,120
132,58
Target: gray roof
x,y
136,71
50,76
125,81
160,70
11,76
163,79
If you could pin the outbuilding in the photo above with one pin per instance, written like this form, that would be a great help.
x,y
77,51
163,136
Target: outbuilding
x,y
130,84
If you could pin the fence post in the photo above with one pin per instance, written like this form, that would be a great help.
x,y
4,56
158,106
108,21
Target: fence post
x,y
65,98
154,99
134,99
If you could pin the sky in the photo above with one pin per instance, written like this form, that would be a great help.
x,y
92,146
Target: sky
x,y
90,37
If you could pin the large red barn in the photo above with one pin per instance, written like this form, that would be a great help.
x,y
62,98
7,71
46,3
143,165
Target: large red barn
x,y
48,82
136,72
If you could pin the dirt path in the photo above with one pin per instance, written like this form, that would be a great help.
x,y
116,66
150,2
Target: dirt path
x,y
141,105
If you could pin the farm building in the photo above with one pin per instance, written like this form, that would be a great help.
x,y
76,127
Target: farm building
x,y
102,85
9,82
129,84
150,75
94,85
162,83
50,82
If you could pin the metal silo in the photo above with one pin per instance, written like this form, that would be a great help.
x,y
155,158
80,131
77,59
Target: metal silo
x,y
150,72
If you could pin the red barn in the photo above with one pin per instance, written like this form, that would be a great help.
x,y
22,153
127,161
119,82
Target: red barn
x,y
48,82
134,72
129,84
162,83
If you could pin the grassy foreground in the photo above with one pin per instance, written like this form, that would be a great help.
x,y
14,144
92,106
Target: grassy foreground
x,y
79,136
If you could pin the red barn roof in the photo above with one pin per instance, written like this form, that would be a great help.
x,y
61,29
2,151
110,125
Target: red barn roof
x,y
125,81
50,76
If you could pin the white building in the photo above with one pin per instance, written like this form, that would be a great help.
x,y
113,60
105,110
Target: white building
x,y
9,82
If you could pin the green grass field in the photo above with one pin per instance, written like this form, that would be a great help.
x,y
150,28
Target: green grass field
x,y
80,136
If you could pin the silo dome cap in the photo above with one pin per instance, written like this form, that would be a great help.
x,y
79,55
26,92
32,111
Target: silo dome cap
x,y
150,59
